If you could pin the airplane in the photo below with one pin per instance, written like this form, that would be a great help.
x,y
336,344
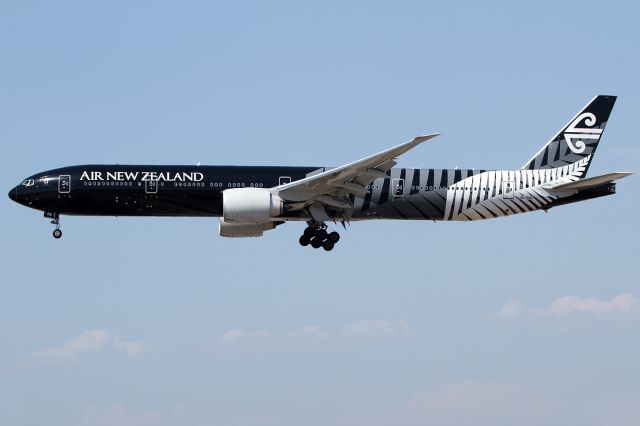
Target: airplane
x,y
251,200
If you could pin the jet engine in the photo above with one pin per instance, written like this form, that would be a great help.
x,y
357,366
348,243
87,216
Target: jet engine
x,y
239,230
250,205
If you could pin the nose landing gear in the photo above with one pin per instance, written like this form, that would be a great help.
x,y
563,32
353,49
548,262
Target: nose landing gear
x,y
317,236
57,233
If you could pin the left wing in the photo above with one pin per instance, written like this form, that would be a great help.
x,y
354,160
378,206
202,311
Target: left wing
x,y
333,188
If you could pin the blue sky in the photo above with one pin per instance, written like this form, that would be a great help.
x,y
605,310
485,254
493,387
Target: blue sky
x,y
527,320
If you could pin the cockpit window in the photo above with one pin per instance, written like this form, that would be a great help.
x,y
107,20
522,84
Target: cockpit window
x,y
28,182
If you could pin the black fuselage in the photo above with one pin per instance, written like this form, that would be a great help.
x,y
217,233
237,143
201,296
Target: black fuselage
x,y
120,190
431,194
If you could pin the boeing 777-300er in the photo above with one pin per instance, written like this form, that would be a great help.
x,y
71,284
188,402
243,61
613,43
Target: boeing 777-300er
x,y
251,200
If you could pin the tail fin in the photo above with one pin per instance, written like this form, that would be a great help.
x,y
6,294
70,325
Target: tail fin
x,y
578,139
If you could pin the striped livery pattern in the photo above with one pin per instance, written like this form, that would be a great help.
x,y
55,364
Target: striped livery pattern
x,y
502,193
409,193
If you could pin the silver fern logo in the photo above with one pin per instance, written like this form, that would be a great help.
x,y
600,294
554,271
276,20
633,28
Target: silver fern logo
x,y
575,135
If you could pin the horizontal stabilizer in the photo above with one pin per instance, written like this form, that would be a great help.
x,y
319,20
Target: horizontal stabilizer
x,y
590,182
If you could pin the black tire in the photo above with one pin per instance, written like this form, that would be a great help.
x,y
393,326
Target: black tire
x,y
321,234
57,233
327,245
309,231
334,237
304,241
316,243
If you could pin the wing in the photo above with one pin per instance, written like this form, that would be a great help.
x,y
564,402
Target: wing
x,y
334,188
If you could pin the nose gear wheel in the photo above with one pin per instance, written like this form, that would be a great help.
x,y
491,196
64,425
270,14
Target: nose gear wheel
x,y
57,233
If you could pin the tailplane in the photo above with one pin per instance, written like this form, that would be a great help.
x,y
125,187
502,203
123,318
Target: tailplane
x,y
588,183
578,139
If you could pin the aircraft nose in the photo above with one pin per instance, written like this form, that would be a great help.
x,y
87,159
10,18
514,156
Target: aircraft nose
x,y
13,194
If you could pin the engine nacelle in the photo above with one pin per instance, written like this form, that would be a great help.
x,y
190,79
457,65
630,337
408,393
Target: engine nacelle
x,y
250,205
240,230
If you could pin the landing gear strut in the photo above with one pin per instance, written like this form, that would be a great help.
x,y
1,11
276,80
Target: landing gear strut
x,y
317,236
57,233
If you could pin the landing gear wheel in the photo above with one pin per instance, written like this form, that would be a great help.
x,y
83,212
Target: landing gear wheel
x,y
317,235
309,231
327,245
321,234
304,240
57,233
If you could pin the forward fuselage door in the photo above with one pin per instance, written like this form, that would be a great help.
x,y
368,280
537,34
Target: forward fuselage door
x,y
64,184
150,196
151,186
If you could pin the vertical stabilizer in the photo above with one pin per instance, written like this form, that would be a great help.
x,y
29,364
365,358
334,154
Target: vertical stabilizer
x,y
578,139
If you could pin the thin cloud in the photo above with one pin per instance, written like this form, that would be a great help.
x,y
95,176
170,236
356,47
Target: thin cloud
x,y
122,415
621,306
500,403
377,328
236,335
232,336
512,310
308,331
180,415
92,341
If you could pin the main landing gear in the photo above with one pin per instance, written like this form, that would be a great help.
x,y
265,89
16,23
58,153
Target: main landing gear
x,y
317,236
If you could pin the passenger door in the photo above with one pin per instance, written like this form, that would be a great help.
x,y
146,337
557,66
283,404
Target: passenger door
x,y
397,187
64,184
151,186
284,180
507,189
150,195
